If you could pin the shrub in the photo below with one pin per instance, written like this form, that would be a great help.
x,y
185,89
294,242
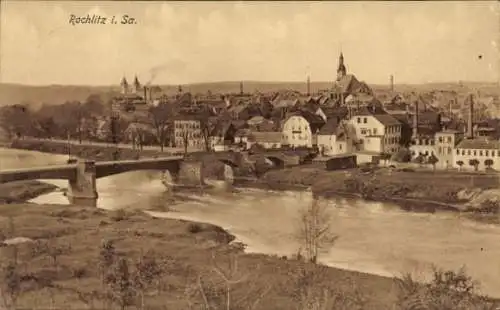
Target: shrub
x,y
194,228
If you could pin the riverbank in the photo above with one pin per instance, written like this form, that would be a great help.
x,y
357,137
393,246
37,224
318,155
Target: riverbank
x,y
20,191
188,254
420,191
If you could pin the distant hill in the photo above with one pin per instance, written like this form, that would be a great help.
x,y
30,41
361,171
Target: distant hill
x,y
58,94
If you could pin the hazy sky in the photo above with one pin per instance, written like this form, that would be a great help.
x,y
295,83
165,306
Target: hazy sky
x,y
183,42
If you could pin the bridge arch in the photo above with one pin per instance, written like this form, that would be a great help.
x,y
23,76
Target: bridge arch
x,y
277,161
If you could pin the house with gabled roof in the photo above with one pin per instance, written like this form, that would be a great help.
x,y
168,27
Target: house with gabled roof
x,y
377,133
301,128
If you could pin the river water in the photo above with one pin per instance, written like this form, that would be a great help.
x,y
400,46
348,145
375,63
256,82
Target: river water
x,y
374,237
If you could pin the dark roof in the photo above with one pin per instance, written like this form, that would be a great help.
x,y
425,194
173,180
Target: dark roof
x,y
330,128
479,144
269,136
387,119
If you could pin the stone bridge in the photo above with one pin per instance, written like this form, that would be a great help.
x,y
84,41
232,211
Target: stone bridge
x,y
82,174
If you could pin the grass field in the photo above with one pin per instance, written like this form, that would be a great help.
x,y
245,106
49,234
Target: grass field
x,y
186,251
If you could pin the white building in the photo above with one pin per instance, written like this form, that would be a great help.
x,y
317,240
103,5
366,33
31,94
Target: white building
x,y
378,133
445,143
484,151
300,130
332,139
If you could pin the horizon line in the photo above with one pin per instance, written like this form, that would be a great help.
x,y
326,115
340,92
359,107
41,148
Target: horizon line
x,y
251,81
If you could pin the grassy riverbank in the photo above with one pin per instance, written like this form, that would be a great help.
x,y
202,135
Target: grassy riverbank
x,y
20,191
60,268
414,190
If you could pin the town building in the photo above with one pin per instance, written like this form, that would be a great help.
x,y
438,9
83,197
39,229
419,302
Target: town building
x,y
445,142
190,132
332,139
477,154
300,129
268,140
377,133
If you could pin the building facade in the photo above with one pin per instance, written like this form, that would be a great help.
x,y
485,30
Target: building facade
x,y
485,153
188,133
301,130
378,133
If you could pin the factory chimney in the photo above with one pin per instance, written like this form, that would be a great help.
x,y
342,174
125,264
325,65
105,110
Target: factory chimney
x,y
308,86
415,120
145,93
391,81
470,130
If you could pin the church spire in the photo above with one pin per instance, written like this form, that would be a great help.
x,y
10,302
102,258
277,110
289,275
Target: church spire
x,y
341,70
124,85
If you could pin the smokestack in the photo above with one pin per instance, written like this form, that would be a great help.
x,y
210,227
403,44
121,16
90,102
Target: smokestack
x,y
308,86
415,120
145,93
391,80
150,97
241,88
470,130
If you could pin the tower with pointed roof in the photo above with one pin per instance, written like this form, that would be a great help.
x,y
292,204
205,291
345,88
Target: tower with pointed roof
x,y
137,85
341,70
124,86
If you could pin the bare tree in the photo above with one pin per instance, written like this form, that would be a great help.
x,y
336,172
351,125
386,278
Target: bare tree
x,y
230,297
185,135
206,130
148,272
120,282
161,117
315,232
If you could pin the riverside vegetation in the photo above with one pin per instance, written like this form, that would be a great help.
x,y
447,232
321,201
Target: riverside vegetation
x,y
150,263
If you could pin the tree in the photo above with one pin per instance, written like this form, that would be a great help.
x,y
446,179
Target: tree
x,y
15,120
474,163
185,135
147,273
460,164
315,231
433,160
206,131
420,159
402,156
161,117
385,157
121,284
488,163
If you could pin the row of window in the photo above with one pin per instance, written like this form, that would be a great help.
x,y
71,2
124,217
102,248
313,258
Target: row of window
x,y
443,140
486,153
191,125
444,151
195,135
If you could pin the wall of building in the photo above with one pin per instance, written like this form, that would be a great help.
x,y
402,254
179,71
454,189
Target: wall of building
x,y
373,144
392,136
191,129
465,155
444,147
297,132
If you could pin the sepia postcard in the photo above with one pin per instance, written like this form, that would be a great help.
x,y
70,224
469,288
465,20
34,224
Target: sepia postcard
x,y
238,155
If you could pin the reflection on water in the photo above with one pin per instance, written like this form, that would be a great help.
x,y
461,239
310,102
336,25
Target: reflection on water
x,y
374,237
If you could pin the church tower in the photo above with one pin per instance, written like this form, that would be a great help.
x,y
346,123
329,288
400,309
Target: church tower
x,y
341,70
124,86
137,86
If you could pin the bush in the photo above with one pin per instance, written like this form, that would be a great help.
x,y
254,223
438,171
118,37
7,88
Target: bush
x,y
194,228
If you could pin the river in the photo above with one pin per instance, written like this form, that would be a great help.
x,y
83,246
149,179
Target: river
x,y
374,237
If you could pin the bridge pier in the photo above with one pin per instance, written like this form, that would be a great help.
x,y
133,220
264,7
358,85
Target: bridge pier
x,y
190,173
82,189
